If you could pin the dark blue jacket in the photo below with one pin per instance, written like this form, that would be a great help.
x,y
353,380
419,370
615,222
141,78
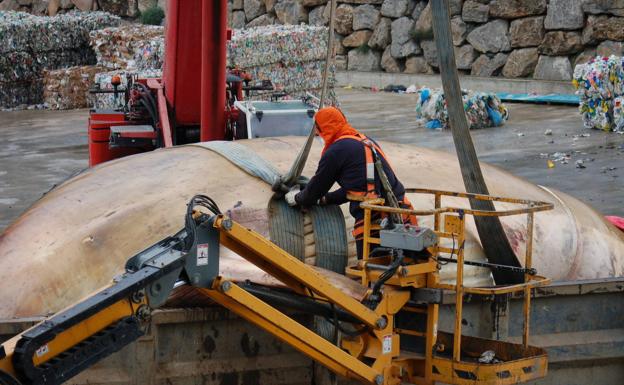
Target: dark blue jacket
x,y
344,163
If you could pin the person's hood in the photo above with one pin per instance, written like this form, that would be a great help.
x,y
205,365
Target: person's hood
x,y
333,125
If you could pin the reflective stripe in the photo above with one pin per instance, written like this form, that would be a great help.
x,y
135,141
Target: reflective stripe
x,y
370,173
370,165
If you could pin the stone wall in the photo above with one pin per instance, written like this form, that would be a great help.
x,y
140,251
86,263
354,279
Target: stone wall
x,y
543,39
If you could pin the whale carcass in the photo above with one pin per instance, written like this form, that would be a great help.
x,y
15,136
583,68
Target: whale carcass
x,y
79,235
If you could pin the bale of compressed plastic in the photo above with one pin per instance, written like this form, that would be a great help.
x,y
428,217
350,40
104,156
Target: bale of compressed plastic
x,y
129,47
482,109
21,31
285,44
68,88
31,44
20,94
599,84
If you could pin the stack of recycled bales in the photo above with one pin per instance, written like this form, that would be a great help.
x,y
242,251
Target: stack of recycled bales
x,y
291,56
31,44
599,85
136,50
482,109
68,88
135,47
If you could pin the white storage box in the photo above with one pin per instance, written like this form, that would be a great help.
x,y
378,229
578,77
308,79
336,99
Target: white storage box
x,y
261,119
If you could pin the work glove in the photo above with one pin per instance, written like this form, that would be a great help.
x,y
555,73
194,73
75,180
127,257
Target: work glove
x,y
290,196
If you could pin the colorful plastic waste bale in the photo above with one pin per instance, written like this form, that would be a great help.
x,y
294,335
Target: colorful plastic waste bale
x,y
599,84
482,109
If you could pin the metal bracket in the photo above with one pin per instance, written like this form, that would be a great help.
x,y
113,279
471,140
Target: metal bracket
x,y
202,261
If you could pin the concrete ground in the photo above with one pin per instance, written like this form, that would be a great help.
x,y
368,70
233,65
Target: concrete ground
x,y
39,149
519,146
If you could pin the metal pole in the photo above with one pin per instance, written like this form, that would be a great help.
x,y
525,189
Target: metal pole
x,y
213,61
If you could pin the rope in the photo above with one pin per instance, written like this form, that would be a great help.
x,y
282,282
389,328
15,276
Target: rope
x,y
296,169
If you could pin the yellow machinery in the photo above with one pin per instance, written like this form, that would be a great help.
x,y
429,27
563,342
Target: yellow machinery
x,y
401,304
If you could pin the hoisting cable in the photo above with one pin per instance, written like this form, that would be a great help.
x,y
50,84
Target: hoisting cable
x,y
284,183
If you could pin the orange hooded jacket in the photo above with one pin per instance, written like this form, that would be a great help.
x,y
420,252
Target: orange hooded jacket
x,y
333,125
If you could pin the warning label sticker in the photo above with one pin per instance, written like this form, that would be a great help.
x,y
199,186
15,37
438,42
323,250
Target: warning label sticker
x,y
42,351
386,346
202,254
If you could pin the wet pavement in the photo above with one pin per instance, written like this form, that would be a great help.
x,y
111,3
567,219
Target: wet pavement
x,y
40,149
520,146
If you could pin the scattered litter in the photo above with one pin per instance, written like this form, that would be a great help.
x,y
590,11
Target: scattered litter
x,y
412,89
548,132
580,164
551,164
482,109
520,134
397,88
560,157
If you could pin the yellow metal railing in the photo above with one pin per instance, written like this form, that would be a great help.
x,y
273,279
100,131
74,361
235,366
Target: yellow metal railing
x,y
455,229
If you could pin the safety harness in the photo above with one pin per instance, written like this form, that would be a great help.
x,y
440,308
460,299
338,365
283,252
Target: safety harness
x,y
372,154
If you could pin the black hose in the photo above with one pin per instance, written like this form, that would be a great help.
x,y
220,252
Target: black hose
x,y
386,275
299,302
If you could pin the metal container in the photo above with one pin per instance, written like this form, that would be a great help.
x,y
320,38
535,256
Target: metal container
x,y
578,323
262,119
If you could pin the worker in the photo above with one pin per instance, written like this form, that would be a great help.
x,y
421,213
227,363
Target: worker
x,y
347,159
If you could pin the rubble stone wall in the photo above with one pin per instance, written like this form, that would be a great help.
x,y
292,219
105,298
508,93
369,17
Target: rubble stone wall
x,y
542,39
